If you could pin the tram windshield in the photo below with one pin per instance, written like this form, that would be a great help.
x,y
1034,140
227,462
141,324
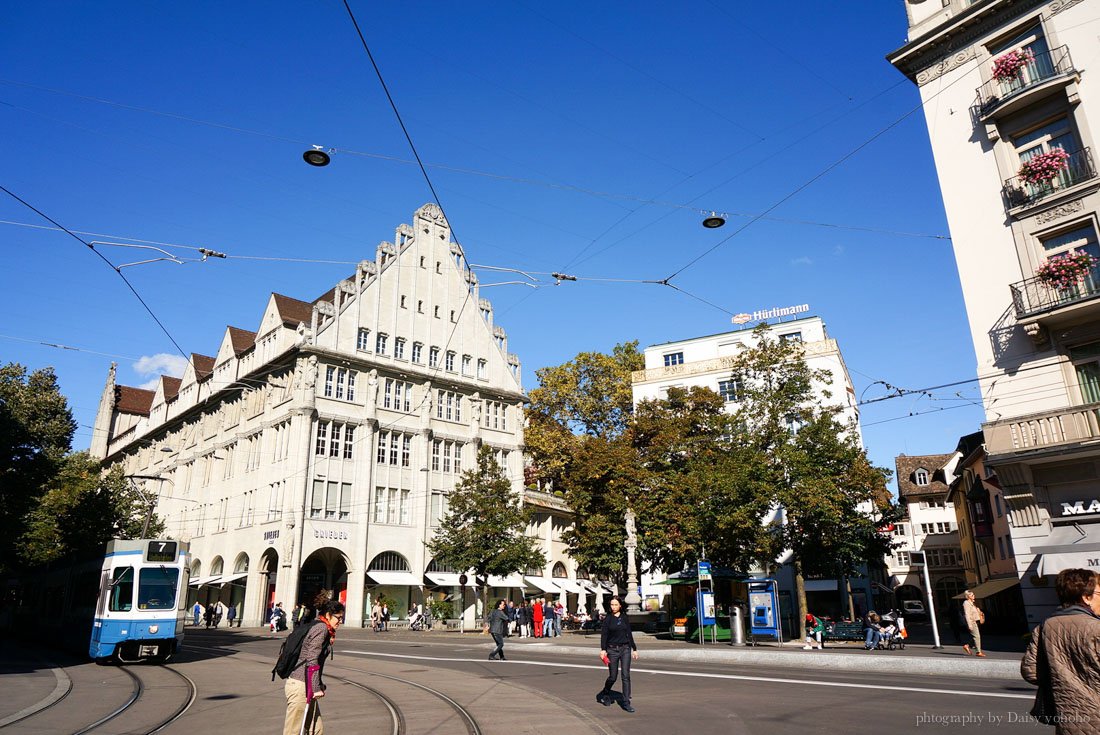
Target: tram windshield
x,y
157,588
122,589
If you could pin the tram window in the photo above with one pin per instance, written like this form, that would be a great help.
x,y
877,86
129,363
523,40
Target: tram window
x,y
122,590
157,588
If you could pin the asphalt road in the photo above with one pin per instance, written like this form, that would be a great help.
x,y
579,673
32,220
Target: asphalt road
x,y
444,684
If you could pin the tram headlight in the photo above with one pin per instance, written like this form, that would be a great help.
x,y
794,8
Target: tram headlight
x,y
154,629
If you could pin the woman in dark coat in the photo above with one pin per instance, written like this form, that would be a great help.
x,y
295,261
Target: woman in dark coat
x,y
498,627
617,649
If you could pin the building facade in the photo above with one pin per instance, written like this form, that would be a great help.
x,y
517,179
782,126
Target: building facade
x,y
930,526
1010,114
707,362
318,451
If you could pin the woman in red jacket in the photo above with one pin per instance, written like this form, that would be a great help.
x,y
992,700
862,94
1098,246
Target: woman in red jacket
x,y
536,614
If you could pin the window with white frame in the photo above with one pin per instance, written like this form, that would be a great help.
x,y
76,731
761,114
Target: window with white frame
x,y
330,500
254,443
437,450
482,369
467,363
417,352
438,507
730,390
380,343
1059,133
791,337
674,358
247,509
227,463
494,415
397,394
362,340
275,500
920,477
448,405
449,362
399,348
433,357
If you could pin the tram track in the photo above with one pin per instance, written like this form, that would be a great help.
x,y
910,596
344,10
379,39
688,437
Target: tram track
x,y
138,689
397,713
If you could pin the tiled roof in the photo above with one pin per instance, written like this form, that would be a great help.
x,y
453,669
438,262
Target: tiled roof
x,y
204,366
907,465
242,339
133,400
171,387
293,311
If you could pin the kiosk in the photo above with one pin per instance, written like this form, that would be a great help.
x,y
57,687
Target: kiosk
x,y
764,620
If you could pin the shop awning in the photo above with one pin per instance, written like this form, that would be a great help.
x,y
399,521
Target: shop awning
x,y
568,585
541,584
447,579
512,580
590,587
1076,546
395,579
203,581
991,587
820,585
234,577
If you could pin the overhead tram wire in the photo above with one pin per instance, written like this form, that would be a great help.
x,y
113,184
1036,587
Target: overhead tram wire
x,y
560,186
102,257
817,177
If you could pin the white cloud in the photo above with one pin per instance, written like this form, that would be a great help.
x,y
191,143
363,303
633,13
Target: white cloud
x,y
160,364
150,384
838,250
802,261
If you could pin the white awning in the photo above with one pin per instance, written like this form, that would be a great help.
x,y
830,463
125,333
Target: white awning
x,y
512,580
395,579
820,585
541,584
203,581
234,577
447,579
1076,546
568,585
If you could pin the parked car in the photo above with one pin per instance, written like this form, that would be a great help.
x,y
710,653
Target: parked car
x,y
913,609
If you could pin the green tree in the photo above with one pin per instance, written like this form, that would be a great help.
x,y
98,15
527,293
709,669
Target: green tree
x,y
485,526
806,462
82,509
576,438
36,432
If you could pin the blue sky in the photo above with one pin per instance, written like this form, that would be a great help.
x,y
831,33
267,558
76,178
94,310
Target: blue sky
x,y
574,137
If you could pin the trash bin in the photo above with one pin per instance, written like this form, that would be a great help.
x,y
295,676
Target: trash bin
x,y
737,626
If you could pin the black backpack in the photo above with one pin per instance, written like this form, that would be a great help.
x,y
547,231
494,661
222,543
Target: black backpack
x,y
291,650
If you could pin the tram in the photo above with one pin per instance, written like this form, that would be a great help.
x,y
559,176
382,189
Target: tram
x,y
141,608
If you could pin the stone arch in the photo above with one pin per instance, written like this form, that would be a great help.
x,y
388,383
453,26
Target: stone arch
x,y
389,561
217,566
559,571
437,566
196,569
325,569
240,565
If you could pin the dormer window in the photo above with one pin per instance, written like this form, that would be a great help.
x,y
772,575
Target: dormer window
x,y
920,477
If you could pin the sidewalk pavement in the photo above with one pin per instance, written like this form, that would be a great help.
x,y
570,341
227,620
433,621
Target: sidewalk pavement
x,y
917,658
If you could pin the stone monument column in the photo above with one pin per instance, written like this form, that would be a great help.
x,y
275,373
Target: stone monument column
x,y
633,598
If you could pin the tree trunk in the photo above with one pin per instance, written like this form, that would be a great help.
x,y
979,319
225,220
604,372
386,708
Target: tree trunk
x,y
485,606
800,595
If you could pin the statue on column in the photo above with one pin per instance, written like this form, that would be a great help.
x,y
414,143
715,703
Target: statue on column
x,y
633,597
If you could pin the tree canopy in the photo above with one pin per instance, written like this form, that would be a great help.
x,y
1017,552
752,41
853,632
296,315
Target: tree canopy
x,y
485,526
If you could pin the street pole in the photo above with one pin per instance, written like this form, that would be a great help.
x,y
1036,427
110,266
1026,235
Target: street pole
x,y
931,601
462,604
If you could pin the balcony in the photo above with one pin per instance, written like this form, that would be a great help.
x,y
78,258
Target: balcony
x,y
1019,193
1048,73
1058,429
1033,297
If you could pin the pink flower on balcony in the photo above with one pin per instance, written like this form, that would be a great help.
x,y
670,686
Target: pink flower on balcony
x,y
1007,66
1043,167
1066,270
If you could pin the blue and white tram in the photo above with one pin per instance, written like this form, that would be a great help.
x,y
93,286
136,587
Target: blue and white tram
x,y
142,601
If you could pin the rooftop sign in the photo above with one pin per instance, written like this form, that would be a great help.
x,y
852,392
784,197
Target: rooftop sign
x,y
764,314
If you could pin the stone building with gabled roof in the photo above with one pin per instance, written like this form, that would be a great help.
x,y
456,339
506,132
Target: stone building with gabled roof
x,y
318,452
930,526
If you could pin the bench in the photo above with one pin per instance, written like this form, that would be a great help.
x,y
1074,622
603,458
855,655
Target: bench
x,y
844,632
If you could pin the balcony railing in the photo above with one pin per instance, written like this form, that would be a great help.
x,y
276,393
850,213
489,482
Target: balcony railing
x,y
1019,193
1059,428
1046,66
1033,296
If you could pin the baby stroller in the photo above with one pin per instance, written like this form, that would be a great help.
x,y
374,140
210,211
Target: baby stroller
x,y
420,621
893,634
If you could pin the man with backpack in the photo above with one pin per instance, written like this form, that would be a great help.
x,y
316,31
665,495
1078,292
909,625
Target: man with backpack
x,y
302,663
